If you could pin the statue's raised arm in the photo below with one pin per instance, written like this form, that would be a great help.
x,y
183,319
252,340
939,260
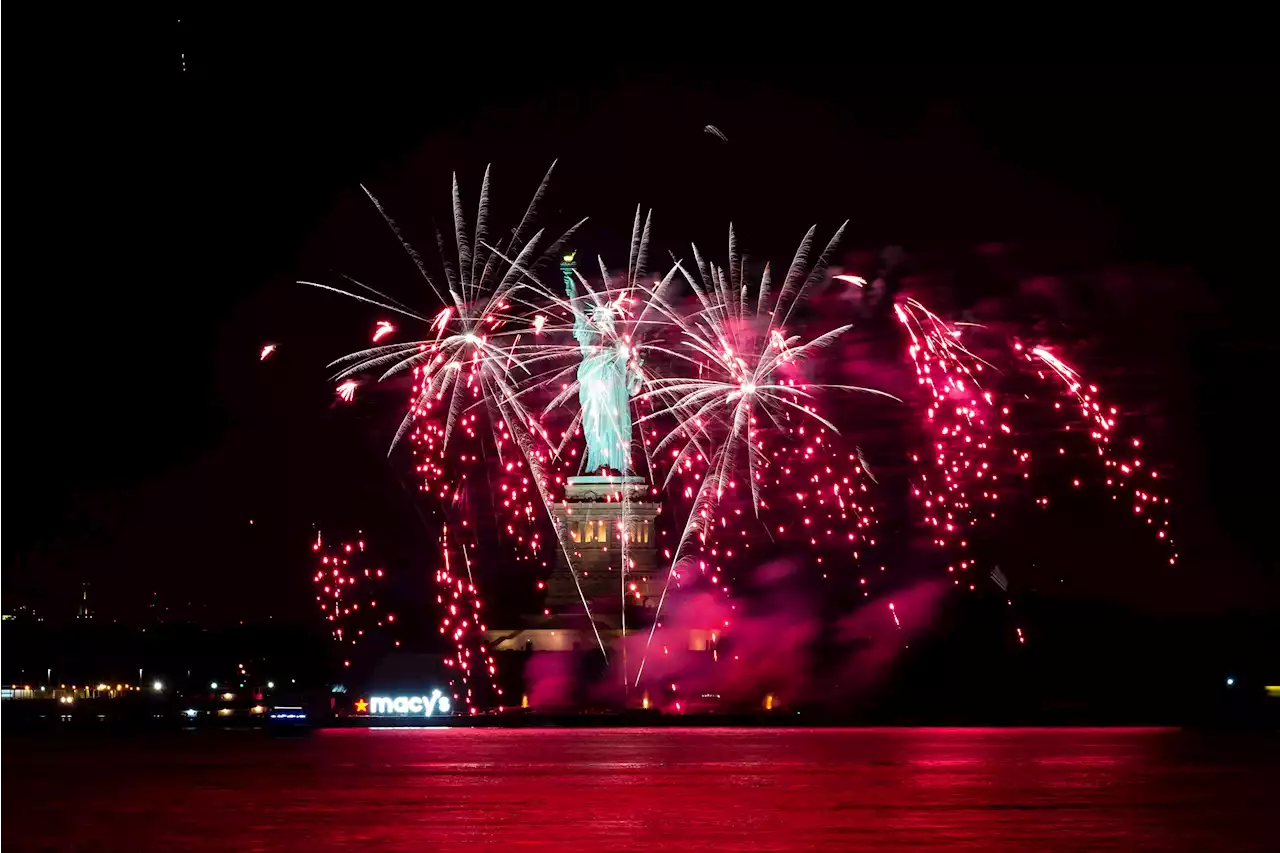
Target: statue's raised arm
x,y
567,267
582,331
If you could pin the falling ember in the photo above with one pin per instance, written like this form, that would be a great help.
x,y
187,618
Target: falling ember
x,y
462,622
1121,466
346,590
383,329
266,352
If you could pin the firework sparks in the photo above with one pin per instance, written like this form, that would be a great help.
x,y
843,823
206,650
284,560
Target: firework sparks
x,y
347,390
266,352
383,329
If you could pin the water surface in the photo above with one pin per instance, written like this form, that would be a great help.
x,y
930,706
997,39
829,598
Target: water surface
x,y
643,789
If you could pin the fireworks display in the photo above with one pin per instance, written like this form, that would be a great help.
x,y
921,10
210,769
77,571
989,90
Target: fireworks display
x,y
723,415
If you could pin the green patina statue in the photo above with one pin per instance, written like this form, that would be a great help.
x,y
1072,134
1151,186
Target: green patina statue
x,y
608,377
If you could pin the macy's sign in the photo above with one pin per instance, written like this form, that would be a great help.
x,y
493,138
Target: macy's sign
x,y
402,706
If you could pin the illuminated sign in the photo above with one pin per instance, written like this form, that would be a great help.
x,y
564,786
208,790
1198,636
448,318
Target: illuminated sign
x,y
404,706
286,712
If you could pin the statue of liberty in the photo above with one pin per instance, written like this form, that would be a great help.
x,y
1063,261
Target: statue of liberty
x,y
607,380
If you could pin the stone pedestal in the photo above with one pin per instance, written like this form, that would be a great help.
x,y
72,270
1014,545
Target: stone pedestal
x,y
601,519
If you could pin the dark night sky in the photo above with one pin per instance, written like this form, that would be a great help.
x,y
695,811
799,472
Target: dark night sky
x,y
159,218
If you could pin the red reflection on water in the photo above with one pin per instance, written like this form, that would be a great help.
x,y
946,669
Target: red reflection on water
x,y
650,789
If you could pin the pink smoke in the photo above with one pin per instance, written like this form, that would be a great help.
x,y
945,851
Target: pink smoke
x,y
771,645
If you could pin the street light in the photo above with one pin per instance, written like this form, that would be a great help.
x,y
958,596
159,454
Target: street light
x,y
213,685
157,686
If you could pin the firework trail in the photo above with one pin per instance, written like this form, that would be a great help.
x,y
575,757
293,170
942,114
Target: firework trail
x,y
862,460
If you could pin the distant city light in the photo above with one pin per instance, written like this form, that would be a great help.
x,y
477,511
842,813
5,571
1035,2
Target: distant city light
x,y
191,712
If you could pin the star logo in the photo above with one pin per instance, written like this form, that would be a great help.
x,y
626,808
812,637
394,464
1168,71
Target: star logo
x,y
361,706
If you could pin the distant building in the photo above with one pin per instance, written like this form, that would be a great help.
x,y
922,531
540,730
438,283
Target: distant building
x,y
84,612
158,612
22,613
